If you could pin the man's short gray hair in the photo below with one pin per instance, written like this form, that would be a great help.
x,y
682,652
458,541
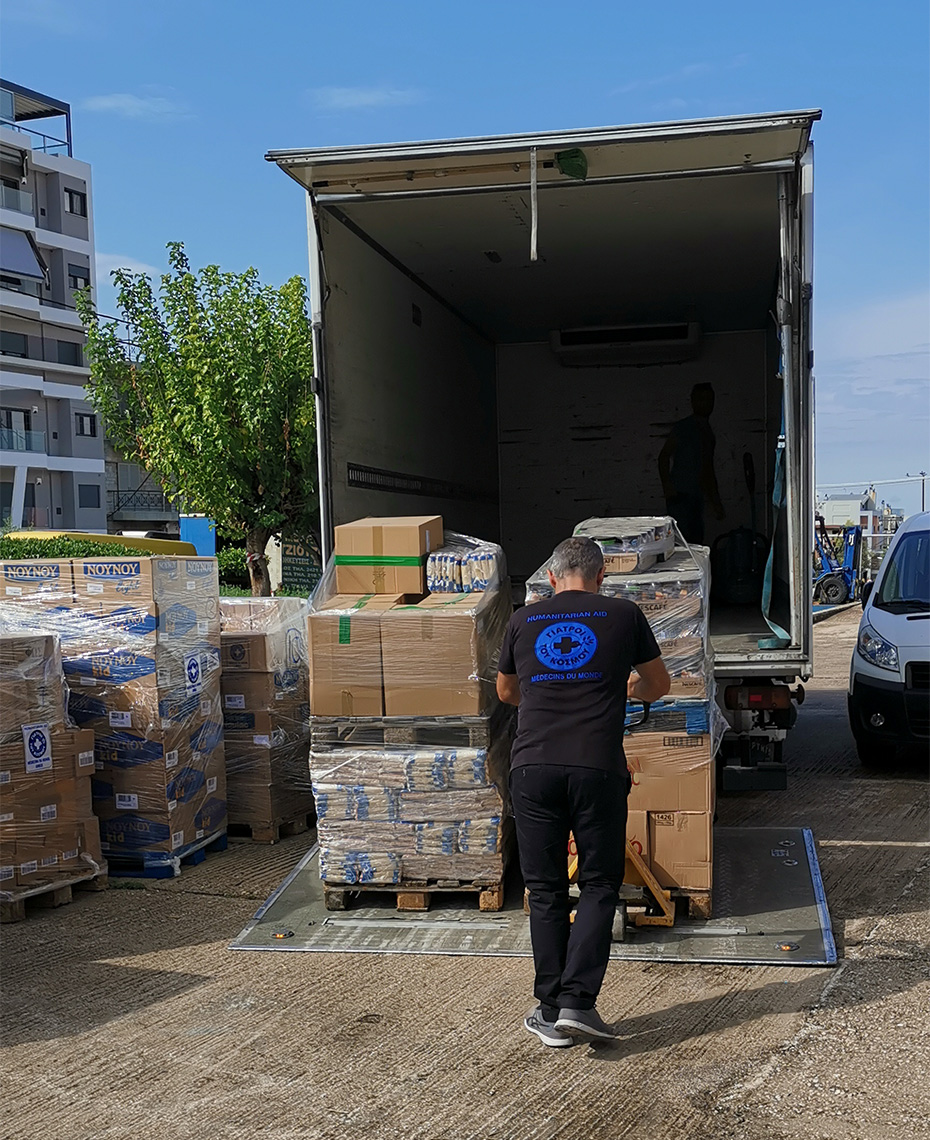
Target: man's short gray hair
x,y
581,556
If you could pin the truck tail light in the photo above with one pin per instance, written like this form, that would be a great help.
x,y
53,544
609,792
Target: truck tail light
x,y
753,697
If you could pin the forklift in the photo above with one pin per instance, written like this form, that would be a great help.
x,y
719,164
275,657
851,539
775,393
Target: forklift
x,y
836,564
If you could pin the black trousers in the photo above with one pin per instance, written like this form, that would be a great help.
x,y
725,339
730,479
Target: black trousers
x,y
549,801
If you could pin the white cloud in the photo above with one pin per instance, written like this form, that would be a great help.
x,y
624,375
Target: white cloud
x,y
108,262
49,15
363,98
135,106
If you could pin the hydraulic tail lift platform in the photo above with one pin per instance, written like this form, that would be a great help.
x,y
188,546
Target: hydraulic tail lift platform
x,y
769,908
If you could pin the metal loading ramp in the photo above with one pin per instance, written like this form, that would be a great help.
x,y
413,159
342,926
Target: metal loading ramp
x,y
769,909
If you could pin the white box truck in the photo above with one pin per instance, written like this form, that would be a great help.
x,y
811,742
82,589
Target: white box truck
x,y
508,331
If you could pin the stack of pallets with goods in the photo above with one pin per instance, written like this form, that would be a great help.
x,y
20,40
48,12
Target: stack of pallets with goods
x,y
266,716
140,642
49,839
410,748
670,749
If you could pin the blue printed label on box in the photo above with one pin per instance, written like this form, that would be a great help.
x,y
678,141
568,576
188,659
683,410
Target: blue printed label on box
x,y
117,667
133,832
126,750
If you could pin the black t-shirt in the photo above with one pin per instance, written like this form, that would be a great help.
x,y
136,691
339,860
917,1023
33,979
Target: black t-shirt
x,y
573,654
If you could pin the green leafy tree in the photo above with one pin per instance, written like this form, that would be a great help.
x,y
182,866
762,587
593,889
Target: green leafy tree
x,y
206,383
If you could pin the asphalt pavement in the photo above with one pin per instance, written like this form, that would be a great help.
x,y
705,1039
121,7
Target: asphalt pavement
x,y
126,1016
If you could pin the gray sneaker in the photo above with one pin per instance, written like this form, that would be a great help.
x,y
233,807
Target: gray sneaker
x,y
546,1030
584,1024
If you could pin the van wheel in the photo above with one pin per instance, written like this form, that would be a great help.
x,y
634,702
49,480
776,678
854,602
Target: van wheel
x,y
833,591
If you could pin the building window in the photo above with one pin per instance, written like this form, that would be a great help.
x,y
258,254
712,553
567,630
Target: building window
x,y
69,353
76,203
85,424
15,419
78,277
88,495
13,344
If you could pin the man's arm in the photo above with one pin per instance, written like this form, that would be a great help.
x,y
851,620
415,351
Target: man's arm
x,y
508,688
650,682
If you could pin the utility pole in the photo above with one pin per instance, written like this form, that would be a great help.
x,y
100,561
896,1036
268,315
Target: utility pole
x,y
923,487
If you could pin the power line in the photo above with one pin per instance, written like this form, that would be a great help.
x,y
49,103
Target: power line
x,y
868,482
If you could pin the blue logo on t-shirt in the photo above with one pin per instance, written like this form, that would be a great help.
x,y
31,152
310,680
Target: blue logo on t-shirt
x,y
566,645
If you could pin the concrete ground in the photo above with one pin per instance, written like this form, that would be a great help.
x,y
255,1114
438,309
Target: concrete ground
x,y
126,1016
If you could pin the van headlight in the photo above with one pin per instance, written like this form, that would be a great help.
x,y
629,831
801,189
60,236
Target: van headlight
x,y
877,650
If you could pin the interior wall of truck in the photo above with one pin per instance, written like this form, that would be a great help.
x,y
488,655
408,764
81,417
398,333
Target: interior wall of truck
x,y
444,390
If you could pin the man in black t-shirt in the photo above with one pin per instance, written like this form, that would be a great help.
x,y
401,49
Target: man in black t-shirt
x,y
567,663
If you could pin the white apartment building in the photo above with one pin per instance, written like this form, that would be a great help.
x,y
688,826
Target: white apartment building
x,y
52,471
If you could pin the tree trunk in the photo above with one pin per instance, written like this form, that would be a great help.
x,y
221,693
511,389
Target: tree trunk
x,y
255,543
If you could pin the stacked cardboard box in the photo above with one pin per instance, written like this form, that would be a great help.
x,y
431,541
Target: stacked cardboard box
x,y
140,642
266,712
48,832
395,812
670,753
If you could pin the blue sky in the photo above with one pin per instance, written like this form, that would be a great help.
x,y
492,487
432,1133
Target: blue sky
x,y
175,104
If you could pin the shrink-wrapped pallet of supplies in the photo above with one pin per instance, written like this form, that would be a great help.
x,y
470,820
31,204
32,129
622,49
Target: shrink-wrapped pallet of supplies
x,y
140,644
266,714
410,748
49,838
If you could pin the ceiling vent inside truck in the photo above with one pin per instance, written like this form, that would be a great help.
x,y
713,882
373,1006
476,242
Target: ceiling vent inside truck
x,y
665,343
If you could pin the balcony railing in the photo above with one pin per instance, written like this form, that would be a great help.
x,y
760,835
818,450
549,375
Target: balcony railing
x,y
27,288
19,200
129,502
17,439
48,144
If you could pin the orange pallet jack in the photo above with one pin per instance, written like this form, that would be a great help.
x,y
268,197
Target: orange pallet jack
x,y
659,910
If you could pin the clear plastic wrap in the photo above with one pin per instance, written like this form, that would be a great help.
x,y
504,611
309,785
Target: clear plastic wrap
x,y
266,709
389,815
674,596
463,565
140,644
630,544
402,655
48,832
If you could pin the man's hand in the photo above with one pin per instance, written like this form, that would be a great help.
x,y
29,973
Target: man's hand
x,y
650,682
508,688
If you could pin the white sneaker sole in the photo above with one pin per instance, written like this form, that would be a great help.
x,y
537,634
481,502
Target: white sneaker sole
x,y
564,1044
579,1030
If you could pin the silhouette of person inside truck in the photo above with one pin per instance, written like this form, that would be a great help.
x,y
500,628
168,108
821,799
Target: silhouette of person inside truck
x,y
686,467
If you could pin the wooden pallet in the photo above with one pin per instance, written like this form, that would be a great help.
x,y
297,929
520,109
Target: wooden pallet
x,y
49,895
331,733
272,832
417,896
161,865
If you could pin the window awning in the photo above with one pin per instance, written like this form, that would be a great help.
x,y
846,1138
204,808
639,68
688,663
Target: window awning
x,y
19,255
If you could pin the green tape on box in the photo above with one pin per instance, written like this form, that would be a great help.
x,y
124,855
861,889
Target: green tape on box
x,y
345,630
379,560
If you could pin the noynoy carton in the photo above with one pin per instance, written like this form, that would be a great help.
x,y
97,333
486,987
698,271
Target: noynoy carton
x,y
46,582
345,652
385,555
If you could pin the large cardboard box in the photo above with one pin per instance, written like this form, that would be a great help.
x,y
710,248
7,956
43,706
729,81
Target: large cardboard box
x,y
385,555
671,771
32,687
345,653
191,582
681,848
47,582
42,757
435,658
263,634
259,692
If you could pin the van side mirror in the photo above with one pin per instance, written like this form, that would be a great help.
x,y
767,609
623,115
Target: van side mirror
x,y
865,592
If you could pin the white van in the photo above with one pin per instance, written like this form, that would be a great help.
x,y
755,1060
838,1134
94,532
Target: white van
x,y
889,679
